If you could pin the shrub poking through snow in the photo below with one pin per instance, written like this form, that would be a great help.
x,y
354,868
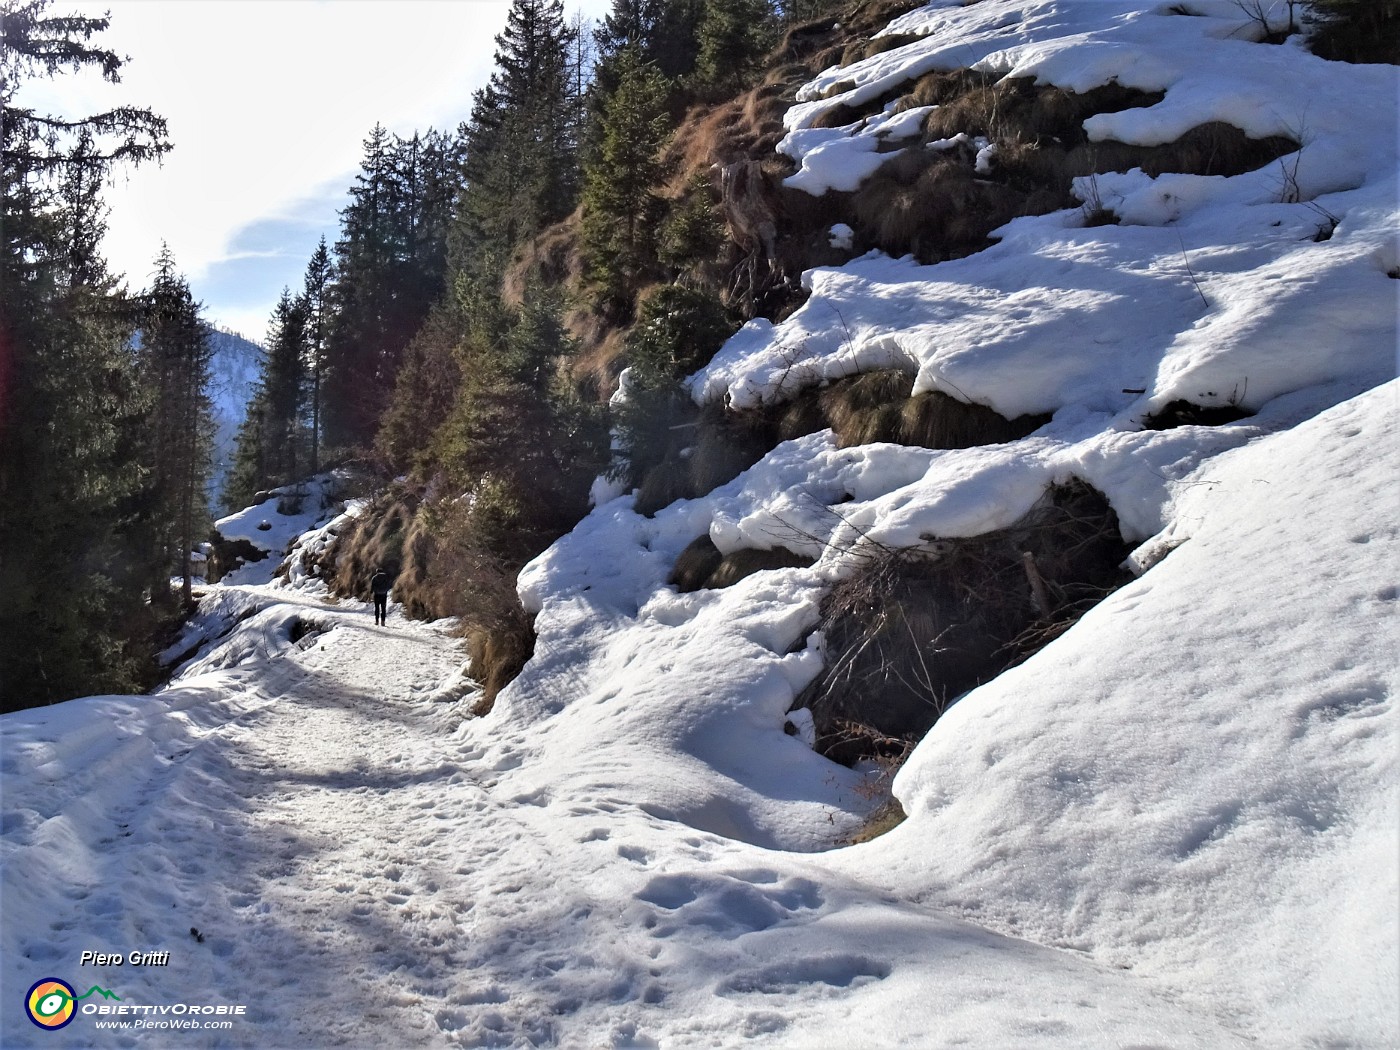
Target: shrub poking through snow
x,y
912,630
1183,413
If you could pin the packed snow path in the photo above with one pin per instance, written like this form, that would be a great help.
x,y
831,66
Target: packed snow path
x,y
358,875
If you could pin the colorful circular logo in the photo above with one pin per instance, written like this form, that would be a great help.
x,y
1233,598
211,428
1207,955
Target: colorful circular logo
x,y
50,1003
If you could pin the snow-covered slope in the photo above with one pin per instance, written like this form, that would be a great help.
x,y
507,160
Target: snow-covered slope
x,y
1198,780
275,524
1176,825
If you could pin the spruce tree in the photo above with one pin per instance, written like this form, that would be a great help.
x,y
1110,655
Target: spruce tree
x,y
249,471
316,291
72,411
521,166
175,356
284,389
620,210
663,32
390,267
425,390
359,329
732,36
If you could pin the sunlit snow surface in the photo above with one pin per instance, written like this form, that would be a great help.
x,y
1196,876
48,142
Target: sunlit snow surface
x,y
1175,826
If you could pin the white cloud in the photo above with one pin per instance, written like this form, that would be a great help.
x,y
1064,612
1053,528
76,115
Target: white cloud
x,y
268,105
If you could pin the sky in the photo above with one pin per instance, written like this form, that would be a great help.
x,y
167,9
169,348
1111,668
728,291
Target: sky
x,y
269,103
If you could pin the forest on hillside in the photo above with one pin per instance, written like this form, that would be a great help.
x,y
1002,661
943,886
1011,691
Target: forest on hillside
x,y
613,201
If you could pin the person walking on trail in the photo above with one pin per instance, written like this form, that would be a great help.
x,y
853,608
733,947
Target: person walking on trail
x,y
379,585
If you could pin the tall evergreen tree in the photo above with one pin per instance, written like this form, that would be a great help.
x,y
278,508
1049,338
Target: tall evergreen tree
x,y
275,430
390,267
582,61
360,325
663,32
316,292
732,36
521,142
71,407
175,357
619,206
516,430
249,471
284,388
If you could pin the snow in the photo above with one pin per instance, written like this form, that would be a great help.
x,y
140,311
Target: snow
x,y
1176,825
307,506
1055,315
1250,812
841,236
1191,845
832,158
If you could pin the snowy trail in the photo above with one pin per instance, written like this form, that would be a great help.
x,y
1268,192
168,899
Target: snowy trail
x,y
302,838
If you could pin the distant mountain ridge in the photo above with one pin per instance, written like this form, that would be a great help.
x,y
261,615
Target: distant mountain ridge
x,y
233,375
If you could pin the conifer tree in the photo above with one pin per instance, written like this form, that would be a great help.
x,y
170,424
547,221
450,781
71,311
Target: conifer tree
x,y
521,164
663,32
175,356
249,470
425,390
360,326
731,38
72,410
514,426
283,389
316,291
275,438
619,207
390,267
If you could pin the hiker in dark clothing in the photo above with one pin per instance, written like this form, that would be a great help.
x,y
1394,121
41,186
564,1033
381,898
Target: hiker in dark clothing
x,y
379,585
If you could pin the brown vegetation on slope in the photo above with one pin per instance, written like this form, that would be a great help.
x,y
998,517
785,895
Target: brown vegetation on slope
x,y
910,631
719,444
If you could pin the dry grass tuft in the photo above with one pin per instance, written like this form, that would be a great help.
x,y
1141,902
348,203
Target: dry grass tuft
x,y
888,817
935,420
877,406
555,257
498,654
601,358
865,408
870,407
801,416
695,565
737,565
859,50
725,444
663,485
1183,413
749,125
370,542
910,631
701,565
